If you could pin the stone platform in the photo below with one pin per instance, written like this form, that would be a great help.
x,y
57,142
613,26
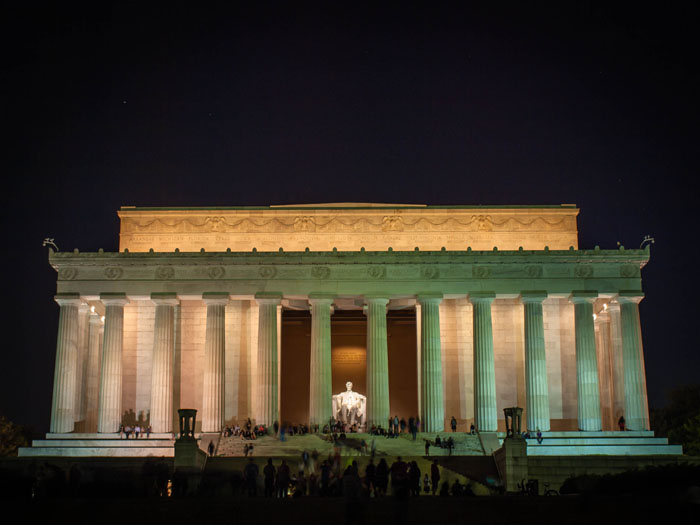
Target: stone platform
x,y
607,443
99,445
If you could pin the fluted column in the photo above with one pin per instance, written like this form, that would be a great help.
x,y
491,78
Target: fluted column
x,y
92,373
432,406
81,362
536,388
110,406
636,407
268,369
586,362
162,368
618,367
63,404
377,363
485,403
320,393
214,366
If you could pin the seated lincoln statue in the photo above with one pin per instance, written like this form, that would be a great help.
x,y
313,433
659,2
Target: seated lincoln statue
x,y
349,407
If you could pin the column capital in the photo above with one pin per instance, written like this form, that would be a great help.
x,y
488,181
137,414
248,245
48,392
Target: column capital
x,y
268,297
578,297
114,299
481,297
215,298
376,299
627,297
95,318
165,298
321,298
429,298
533,296
68,299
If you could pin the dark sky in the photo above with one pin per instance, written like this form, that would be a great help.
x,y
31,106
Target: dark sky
x,y
184,105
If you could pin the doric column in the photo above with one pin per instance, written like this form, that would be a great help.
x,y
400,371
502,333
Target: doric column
x,y
618,367
636,408
320,393
432,406
268,369
92,372
110,406
81,362
214,366
485,405
63,404
162,367
586,362
605,368
536,389
377,363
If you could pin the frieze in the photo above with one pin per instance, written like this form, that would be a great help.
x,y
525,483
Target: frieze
x,y
67,274
629,270
216,272
267,272
533,271
165,272
376,272
583,271
320,272
430,272
113,273
481,272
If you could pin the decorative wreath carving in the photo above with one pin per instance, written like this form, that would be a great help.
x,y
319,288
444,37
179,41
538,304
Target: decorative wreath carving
x,y
67,274
481,272
583,271
113,273
268,272
376,272
216,272
165,272
320,272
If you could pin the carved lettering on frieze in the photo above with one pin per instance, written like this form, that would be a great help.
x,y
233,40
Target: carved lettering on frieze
x,y
376,272
583,271
267,272
629,270
216,272
533,271
67,274
165,272
113,273
481,272
430,272
320,272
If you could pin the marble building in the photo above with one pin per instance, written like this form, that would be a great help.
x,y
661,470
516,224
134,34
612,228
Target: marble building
x,y
265,312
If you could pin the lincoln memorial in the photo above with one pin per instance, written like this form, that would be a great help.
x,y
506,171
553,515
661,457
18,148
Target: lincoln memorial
x,y
431,311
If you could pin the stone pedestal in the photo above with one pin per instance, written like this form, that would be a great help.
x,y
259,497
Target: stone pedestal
x,y
377,363
511,459
320,380
268,365
586,362
63,404
162,367
110,404
432,406
485,406
636,409
214,366
536,388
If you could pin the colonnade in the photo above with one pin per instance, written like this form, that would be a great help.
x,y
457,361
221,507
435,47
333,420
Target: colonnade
x,y
68,405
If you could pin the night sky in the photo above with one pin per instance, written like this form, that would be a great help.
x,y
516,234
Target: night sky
x,y
190,105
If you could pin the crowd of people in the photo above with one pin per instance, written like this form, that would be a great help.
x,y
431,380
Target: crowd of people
x,y
403,479
137,431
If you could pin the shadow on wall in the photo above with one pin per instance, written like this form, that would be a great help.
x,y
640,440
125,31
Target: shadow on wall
x,y
129,418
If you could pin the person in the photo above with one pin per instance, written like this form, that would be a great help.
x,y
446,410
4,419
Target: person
x,y
453,424
450,444
250,474
211,448
396,424
472,429
382,477
621,423
137,431
539,437
426,484
282,480
370,477
438,441
148,432
434,475
399,478
269,473
414,479
427,447
245,450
